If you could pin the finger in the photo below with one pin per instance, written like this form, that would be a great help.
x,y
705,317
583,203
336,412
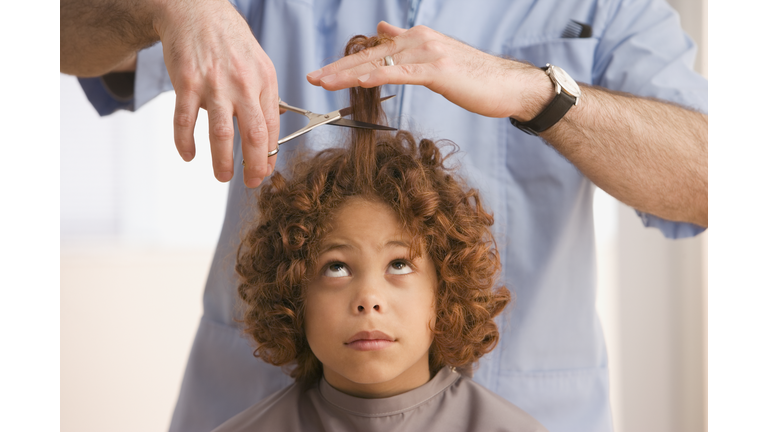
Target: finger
x,y
221,133
414,74
271,111
368,55
184,118
260,130
254,135
424,53
388,29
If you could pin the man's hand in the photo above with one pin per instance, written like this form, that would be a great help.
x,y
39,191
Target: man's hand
x,y
215,63
213,60
649,154
474,80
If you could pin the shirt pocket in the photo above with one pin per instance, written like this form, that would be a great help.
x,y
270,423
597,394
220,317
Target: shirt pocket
x,y
575,56
529,161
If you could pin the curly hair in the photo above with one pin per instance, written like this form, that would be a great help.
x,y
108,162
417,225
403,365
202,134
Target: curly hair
x,y
278,255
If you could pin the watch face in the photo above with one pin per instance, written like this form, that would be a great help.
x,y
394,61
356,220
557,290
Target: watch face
x,y
565,81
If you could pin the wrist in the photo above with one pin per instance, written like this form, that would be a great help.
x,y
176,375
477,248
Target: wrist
x,y
170,14
536,92
162,12
567,94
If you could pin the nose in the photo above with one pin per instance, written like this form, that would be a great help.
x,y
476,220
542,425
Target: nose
x,y
368,302
369,298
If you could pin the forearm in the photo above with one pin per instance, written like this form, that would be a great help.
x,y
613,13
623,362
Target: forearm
x,y
100,36
646,153
649,154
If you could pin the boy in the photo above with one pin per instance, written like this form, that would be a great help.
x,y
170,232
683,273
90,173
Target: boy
x,y
371,271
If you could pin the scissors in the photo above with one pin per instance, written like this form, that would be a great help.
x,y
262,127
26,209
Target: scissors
x,y
332,118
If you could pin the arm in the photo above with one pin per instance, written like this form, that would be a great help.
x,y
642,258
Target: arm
x,y
649,154
102,36
212,58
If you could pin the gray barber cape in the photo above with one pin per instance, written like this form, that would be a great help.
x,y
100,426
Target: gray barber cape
x,y
448,402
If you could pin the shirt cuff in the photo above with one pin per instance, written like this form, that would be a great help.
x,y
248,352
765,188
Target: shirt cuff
x,y
151,80
102,99
671,230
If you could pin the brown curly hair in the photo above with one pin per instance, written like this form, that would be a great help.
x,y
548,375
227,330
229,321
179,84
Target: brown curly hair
x,y
277,256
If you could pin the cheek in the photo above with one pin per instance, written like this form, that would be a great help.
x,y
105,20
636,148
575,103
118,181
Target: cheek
x,y
423,311
320,313
311,315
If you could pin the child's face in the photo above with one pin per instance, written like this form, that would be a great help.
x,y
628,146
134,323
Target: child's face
x,y
368,307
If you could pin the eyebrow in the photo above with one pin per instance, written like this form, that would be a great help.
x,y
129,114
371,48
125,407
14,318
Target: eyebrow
x,y
340,245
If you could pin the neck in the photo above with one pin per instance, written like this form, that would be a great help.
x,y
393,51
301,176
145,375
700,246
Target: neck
x,y
415,376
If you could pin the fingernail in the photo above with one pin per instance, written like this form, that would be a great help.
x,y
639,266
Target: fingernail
x,y
315,74
329,79
224,176
187,156
364,78
270,170
252,183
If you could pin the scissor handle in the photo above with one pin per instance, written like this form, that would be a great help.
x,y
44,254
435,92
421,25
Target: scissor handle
x,y
294,109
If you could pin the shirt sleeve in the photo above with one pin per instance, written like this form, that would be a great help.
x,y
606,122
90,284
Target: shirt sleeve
x,y
151,79
644,51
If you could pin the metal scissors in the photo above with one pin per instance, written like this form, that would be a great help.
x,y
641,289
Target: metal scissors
x,y
332,118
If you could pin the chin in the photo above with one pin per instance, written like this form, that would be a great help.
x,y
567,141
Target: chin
x,y
370,374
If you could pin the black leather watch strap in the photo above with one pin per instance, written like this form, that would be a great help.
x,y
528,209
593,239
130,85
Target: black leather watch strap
x,y
547,118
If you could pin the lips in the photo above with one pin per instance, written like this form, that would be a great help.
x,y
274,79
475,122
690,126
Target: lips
x,y
369,341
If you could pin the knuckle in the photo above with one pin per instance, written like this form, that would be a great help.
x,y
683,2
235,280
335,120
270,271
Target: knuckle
x,y
256,134
433,46
221,166
216,85
188,79
222,132
366,55
272,122
242,77
330,68
421,30
265,62
183,120
443,63
269,72
413,69
259,170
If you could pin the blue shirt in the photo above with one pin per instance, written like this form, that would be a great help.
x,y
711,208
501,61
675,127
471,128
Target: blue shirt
x,y
551,359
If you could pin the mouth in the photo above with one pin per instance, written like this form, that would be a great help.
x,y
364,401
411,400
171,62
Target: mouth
x,y
369,341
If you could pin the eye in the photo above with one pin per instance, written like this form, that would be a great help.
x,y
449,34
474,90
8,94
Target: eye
x,y
399,267
336,270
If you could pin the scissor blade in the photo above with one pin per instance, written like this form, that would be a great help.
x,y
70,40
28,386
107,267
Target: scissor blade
x,y
361,125
314,121
348,110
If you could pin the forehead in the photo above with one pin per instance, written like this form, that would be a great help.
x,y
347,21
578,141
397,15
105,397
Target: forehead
x,y
370,221
363,217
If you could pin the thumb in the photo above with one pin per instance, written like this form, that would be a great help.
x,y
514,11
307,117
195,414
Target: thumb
x,y
388,29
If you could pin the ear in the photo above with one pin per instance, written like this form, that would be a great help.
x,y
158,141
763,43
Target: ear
x,y
388,29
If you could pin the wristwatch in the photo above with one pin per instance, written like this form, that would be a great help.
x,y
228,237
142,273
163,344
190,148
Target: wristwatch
x,y
568,94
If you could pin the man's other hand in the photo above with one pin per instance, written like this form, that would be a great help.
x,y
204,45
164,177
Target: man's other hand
x,y
215,63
